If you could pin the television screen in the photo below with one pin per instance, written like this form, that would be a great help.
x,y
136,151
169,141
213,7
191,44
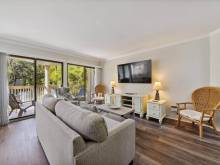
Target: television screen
x,y
137,72
124,73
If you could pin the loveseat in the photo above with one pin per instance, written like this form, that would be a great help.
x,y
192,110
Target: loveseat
x,y
70,135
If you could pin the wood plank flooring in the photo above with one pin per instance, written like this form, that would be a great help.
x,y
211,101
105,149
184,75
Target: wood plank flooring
x,y
155,144
167,144
19,144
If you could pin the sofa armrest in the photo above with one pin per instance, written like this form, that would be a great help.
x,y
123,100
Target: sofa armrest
x,y
60,143
118,149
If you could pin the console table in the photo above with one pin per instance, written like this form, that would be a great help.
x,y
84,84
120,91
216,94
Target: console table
x,y
133,101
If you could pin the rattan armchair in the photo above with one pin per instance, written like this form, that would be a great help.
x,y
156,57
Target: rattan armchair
x,y
205,103
100,91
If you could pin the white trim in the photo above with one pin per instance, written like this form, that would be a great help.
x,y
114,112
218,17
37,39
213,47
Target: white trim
x,y
51,59
214,32
22,49
45,47
159,47
52,49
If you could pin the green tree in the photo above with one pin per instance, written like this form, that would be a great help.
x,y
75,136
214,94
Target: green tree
x,y
76,78
40,75
55,75
21,71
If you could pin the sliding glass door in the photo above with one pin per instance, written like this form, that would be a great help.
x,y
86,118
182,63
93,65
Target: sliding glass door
x,y
29,80
21,76
81,81
49,77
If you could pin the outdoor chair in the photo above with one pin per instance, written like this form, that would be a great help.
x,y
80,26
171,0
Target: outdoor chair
x,y
18,104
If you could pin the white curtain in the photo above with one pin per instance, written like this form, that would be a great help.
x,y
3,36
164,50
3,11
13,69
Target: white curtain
x,y
98,76
3,90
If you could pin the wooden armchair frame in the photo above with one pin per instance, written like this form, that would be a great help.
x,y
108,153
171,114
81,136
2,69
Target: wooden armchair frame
x,y
207,109
180,107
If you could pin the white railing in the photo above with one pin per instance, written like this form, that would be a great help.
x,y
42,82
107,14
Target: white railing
x,y
26,93
41,91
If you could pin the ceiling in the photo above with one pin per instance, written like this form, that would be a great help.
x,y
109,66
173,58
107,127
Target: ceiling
x,y
108,28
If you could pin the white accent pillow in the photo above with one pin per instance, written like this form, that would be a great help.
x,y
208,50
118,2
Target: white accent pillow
x,y
49,102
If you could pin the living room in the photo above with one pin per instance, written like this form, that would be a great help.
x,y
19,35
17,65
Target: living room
x,y
112,82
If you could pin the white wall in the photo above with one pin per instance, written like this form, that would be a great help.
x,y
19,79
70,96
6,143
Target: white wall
x,y
215,58
180,68
215,64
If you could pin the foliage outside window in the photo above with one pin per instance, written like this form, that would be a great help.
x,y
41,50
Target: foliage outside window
x,y
55,75
76,80
21,72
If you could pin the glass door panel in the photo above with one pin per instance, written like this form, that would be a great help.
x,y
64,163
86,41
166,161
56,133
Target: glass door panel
x,y
21,79
76,81
49,78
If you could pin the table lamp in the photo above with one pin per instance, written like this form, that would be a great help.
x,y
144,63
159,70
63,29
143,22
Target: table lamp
x,y
113,86
157,87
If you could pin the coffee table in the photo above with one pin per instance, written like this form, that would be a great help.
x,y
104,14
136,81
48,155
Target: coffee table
x,y
122,111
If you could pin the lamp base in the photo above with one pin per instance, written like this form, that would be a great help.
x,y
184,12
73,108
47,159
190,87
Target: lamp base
x,y
113,90
157,96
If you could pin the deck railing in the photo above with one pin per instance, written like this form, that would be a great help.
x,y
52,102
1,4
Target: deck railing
x,y
26,93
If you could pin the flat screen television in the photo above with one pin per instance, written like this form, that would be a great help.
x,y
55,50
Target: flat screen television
x,y
136,72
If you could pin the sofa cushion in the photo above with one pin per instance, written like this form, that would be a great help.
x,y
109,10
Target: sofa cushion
x,y
90,107
49,102
89,125
111,123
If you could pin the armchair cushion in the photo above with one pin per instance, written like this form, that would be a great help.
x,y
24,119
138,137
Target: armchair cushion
x,y
194,115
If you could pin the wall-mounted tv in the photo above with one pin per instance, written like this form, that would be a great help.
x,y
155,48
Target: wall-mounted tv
x,y
136,72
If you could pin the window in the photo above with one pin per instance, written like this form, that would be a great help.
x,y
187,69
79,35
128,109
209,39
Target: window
x,y
81,81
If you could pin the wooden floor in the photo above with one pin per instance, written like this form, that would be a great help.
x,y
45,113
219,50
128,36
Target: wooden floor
x,y
155,144
170,145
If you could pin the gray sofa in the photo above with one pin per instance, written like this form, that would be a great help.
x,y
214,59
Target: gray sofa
x,y
96,141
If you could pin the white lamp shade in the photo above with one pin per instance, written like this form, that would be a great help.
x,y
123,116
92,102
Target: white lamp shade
x,y
113,83
157,85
